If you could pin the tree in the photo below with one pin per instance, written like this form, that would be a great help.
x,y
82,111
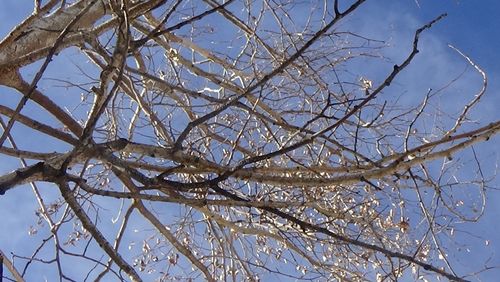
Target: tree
x,y
235,140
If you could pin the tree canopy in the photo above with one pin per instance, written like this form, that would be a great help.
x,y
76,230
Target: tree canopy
x,y
233,140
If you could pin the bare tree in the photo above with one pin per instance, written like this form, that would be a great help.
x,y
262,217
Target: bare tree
x,y
231,140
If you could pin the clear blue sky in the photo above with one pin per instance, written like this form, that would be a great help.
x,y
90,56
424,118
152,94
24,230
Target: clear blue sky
x,y
472,26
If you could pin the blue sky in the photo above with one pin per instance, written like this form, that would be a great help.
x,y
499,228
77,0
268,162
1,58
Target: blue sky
x,y
471,26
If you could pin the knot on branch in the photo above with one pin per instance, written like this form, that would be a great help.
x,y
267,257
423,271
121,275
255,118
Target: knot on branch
x,y
40,171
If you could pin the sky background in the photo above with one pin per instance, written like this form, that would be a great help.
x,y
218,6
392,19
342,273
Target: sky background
x,y
472,26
